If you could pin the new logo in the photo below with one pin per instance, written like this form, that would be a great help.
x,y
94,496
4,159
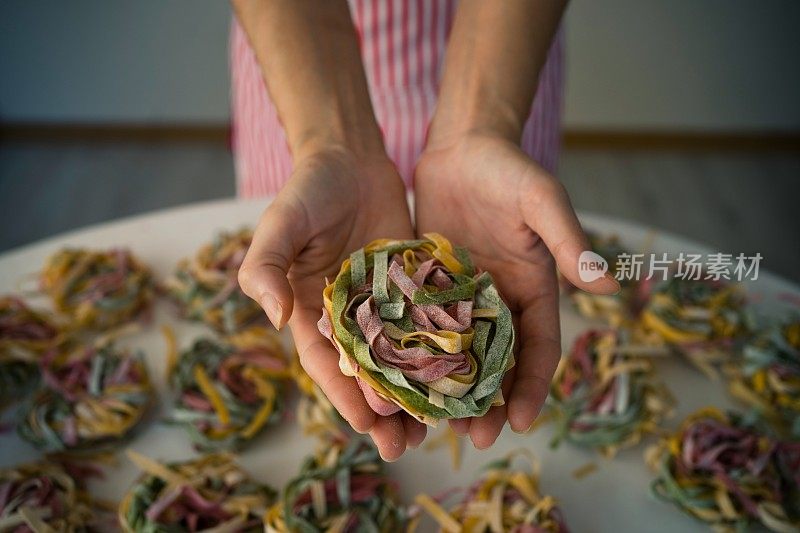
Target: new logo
x,y
591,266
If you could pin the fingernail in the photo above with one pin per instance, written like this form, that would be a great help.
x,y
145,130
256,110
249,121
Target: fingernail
x,y
612,279
477,447
366,428
524,431
273,309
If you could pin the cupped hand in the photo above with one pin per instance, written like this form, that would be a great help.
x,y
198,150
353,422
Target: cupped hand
x,y
483,192
334,203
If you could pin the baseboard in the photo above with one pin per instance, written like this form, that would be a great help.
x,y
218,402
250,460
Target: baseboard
x,y
573,138
683,140
116,132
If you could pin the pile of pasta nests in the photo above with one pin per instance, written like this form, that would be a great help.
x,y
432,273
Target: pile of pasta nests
x,y
83,395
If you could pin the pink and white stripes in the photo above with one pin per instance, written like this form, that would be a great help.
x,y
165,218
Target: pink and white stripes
x,y
402,47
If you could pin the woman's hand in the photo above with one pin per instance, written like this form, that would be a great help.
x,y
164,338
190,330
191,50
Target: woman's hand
x,y
483,192
343,193
334,203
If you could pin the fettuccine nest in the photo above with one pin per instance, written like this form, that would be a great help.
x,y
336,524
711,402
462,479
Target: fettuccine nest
x,y
229,391
341,488
701,319
206,288
503,499
420,329
724,471
90,398
43,497
211,493
604,394
766,375
25,335
98,288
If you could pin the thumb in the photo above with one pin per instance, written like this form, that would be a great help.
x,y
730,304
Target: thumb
x,y
549,213
280,235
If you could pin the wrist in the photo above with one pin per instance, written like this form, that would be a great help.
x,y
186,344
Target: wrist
x,y
368,166
334,115
361,140
475,114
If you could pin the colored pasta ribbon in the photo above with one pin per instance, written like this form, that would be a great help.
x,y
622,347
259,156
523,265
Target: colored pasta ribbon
x,y
724,471
206,286
450,439
98,289
420,329
603,394
701,319
89,398
44,497
211,493
229,391
315,414
341,488
614,308
503,499
25,335
766,375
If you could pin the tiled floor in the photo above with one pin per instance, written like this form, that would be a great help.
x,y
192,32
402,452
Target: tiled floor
x,y
736,202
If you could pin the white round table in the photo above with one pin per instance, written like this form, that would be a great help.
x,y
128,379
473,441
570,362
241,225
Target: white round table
x,y
614,498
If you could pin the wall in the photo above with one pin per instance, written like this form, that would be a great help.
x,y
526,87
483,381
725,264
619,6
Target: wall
x,y
686,64
633,64
113,60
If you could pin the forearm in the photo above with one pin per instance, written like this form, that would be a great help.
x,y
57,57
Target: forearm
x,y
309,55
492,65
